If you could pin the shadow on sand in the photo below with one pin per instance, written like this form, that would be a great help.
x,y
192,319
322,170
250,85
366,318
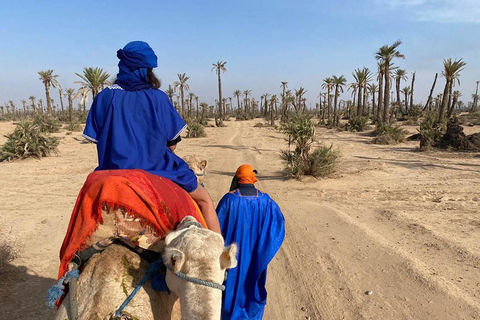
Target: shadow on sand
x,y
22,295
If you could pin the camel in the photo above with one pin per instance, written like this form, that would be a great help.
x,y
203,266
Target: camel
x,y
110,276
196,165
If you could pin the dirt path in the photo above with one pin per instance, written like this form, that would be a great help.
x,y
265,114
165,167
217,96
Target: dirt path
x,y
402,224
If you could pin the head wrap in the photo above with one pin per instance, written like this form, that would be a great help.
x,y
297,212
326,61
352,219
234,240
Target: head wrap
x,y
246,174
135,58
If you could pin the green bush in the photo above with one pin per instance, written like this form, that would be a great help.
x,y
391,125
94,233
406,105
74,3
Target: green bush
x,y
300,131
28,141
357,124
195,130
73,126
319,163
430,131
46,123
388,134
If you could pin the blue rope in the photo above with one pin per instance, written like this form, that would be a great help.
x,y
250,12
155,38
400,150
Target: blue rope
x,y
56,291
154,267
198,281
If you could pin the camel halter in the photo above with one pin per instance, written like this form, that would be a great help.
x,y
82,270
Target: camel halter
x,y
192,279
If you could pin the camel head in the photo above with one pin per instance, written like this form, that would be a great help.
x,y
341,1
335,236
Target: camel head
x,y
201,254
196,165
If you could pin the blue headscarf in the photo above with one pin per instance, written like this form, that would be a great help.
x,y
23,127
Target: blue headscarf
x,y
135,58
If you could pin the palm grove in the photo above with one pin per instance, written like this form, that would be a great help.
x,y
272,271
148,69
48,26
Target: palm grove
x,y
376,97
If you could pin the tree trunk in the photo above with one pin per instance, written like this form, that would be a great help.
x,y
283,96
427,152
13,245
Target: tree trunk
x,y
359,101
443,106
47,94
397,87
452,107
220,95
427,105
380,97
364,102
411,92
450,93
183,102
335,115
386,100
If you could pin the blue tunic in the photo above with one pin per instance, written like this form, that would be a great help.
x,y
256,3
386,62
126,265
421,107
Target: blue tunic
x,y
257,225
131,130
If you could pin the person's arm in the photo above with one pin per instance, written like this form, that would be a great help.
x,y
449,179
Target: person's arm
x,y
205,203
172,144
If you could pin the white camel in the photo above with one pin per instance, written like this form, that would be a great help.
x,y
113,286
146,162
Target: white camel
x,y
191,251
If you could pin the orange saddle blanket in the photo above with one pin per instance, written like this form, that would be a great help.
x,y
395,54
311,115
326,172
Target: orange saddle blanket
x,y
156,203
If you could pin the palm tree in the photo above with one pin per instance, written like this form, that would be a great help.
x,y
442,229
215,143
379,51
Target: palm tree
x,y
196,103
95,79
299,95
411,91
32,100
381,73
456,95
191,96
373,88
49,80
400,74
24,103
386,54
237,94
170,93
180,86
362,77
338,82
70,93
475,98
83,94
328,85
406,92
246,93
451,72
219,67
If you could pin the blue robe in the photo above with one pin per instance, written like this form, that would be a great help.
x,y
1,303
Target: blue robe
x,y
131,129
257,225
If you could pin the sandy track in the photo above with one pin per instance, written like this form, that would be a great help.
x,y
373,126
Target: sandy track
x,y
403,224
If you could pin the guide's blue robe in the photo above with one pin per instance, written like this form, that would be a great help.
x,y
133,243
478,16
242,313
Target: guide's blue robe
x,y
257,225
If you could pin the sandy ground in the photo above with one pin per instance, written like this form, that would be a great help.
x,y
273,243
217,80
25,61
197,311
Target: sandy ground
x,y
391,220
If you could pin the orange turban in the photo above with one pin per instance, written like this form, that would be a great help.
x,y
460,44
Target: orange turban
x,y
246,174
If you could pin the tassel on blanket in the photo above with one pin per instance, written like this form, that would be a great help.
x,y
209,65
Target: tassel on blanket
x,y
56,291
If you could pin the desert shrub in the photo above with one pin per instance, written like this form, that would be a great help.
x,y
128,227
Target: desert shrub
x,y
300,131
357,124
27,141
415,112
430,131
73,126
195,130
319,163
7,247
46,123
388,133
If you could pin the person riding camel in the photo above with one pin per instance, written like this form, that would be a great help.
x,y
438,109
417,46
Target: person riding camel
x,y
250,218
135,126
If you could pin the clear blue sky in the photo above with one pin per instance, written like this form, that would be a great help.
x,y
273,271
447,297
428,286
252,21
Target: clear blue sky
x,y
263,42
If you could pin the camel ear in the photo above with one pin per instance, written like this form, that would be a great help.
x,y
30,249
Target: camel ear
x,y
227,258
174,258
203,164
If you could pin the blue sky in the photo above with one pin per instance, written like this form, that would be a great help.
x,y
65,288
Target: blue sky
x,y
263,42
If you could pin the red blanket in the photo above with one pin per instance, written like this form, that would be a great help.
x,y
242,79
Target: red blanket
x,y
160,203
